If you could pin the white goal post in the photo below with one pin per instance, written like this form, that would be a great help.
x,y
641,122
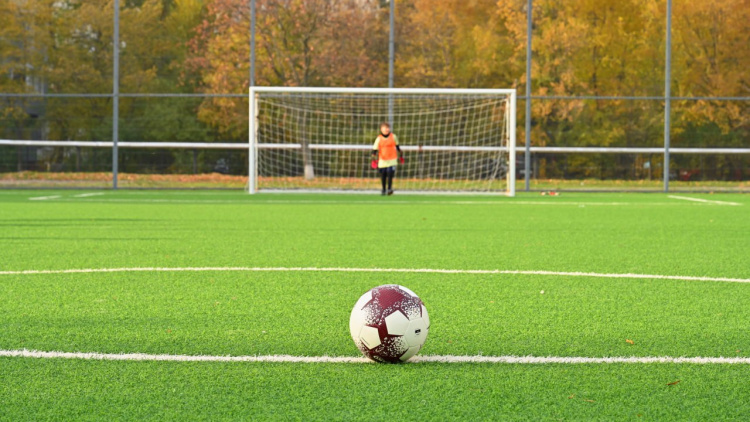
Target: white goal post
x,y
321,139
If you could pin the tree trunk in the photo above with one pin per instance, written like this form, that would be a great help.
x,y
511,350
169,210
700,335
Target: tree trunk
x,y
307,159
20,154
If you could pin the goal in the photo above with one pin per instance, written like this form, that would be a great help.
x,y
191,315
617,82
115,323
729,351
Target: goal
x,y
320,139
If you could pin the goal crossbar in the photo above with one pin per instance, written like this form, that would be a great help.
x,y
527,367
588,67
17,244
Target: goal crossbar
x,y
327,90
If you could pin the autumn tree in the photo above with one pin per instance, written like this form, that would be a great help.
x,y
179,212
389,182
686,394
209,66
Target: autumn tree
x,y
593,48
65,47
24,41
583,48
711,50
454,43
299,43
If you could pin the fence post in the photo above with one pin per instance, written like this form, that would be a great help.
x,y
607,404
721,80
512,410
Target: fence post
x,y
252,42
391,56
115,91
527,153
667,94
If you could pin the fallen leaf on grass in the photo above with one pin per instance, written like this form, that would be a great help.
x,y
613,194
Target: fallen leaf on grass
x,y
590,401
674,382
571,396
629,341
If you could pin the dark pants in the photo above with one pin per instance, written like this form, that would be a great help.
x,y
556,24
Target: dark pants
x,y
386,177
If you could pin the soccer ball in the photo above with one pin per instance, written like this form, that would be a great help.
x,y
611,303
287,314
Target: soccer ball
x,y
389,324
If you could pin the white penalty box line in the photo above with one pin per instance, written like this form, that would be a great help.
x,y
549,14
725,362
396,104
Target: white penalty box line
x,y
378,270
444,359
704,201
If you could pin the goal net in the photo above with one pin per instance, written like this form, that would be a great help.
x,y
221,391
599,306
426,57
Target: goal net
x,y
321,139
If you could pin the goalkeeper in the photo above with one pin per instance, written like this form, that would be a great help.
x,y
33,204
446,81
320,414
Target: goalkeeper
x,y
386,154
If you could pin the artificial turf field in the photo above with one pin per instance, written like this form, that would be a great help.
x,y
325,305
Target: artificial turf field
x,y
219,312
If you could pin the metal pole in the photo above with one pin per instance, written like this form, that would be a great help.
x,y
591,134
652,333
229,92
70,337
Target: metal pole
x,y
252,42
252,168
391,58
667,94
115,92
512,146
527,153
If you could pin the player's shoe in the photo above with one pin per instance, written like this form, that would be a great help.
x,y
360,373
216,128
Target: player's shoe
x,y
383,193
390,192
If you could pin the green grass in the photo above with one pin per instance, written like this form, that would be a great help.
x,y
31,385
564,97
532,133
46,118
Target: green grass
x,y
127,390
93,180
303,313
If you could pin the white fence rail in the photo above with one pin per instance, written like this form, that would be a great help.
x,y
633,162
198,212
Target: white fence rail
x,y
359,147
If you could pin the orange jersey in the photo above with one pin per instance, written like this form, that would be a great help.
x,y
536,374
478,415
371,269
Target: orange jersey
x,y
387,152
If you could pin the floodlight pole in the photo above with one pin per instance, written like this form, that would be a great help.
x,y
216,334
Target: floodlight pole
x,y
527,152
391,57
115,91
667,94
252,42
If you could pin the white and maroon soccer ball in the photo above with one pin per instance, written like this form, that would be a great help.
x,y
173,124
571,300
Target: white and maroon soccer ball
x,y
389,324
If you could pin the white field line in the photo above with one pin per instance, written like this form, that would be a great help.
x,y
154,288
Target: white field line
x,y
375,202
43,198
377,270
346,359
705,201
86,195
